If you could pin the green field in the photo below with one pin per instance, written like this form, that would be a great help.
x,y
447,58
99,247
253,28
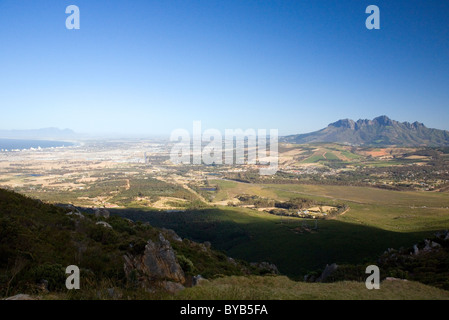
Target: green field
x,y
378,219
314,159
364,195
229,189
350,155
331,156
322,152
256,237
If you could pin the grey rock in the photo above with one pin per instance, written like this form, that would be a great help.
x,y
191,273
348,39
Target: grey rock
x,y
309,278
172,234
430,245
76,213
104,224
157,264
73,208
197,280
394,279
21,297
391,279
102,212
232,261
327,272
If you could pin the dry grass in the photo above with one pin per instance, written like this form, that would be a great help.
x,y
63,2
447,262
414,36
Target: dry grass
x,y
282,288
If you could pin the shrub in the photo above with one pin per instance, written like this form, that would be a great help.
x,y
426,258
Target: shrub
x,y
186,264
54,274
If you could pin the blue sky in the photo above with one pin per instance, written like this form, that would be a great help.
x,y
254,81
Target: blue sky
x,y
148,67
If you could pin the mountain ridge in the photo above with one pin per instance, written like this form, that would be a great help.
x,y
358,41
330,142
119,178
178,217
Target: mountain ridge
x,y
381,131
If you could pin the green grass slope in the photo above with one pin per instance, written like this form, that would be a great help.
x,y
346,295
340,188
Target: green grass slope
x,y
282,288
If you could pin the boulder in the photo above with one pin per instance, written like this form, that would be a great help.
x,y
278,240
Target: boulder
x,y
197,280
394,279
104,224
76,213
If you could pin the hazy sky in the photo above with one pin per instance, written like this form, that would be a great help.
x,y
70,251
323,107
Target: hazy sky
x,y
153,66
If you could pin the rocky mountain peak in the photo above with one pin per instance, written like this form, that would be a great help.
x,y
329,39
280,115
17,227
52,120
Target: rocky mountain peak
x,y
383,121
344,123
381,131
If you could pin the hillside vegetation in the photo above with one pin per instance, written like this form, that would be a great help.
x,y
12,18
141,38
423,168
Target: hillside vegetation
x,y
38,241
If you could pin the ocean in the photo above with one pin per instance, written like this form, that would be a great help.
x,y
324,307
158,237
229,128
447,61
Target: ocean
x,y
14,144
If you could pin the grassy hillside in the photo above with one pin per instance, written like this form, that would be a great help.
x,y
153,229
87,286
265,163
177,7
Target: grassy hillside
x,y
282,288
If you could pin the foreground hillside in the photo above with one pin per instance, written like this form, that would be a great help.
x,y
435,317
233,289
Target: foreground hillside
x,y
116,257
122,259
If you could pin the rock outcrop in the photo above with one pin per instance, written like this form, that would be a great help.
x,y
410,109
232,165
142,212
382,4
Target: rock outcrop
x,y
197,280
172,234
156,267
329,270
104,224
76,213
444,235
430,245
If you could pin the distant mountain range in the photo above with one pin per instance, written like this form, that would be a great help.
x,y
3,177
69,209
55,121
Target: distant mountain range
x,y
45,133
381,131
